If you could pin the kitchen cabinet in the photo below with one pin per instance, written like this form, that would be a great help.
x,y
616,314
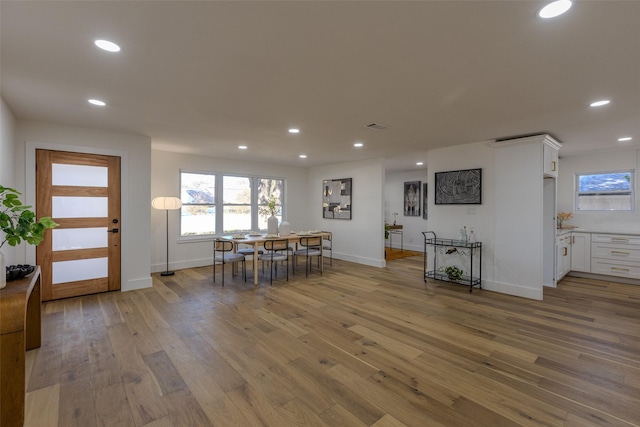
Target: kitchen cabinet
x,y
550,160
563,255
615,255
581,252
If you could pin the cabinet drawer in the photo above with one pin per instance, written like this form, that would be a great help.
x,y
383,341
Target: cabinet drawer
x,y
615,252
610,268
620,239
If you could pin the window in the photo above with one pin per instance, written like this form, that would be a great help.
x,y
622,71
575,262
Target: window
x,y
198,212
605,191
236,196
227,203
268,188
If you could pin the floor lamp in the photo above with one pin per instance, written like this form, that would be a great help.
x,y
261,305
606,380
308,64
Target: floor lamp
x,y
167,204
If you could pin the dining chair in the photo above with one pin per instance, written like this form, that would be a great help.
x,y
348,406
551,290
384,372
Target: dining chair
x,y
327,244
311,247
277,250
223,254
248,252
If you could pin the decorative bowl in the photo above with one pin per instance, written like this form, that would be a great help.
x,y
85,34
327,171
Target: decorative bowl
x,y
15,272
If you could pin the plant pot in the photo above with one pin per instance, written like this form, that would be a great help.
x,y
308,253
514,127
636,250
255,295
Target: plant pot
x,y
272,225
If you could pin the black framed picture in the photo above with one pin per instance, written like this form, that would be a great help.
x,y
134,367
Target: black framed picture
x,y
412,198
424,201
336,198
462,187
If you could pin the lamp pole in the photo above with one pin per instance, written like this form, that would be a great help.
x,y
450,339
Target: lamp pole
x,y
167,272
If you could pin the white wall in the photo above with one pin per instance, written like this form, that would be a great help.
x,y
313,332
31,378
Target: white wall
x,y
7,162
135,153
165,181
412,226
628,222
360,239
447,220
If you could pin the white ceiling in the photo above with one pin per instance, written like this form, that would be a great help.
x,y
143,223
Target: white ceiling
x,y
204,77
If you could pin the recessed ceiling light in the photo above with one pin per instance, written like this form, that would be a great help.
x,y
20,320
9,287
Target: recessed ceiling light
x,y
242,147
419,164
554,9
358,144
599,103
303,156
294,130
97,102
625,138
107,45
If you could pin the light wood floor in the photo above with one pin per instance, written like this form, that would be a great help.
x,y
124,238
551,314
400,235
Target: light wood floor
x,y
357,346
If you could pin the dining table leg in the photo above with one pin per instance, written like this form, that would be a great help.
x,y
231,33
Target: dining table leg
x,y
255,263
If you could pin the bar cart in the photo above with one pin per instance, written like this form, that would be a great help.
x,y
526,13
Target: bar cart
x,y
448,247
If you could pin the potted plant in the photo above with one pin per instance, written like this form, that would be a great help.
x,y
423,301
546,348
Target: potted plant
x,y
18,222
453,273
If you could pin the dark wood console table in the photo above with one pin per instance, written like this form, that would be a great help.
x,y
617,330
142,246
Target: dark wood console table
x,y
20,330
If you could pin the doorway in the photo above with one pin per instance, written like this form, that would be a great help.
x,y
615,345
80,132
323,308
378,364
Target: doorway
x,y
81,192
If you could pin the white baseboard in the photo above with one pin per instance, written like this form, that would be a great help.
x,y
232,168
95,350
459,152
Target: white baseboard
x,y
513,289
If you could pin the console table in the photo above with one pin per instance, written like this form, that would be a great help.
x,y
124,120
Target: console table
x,y
20,329
396,229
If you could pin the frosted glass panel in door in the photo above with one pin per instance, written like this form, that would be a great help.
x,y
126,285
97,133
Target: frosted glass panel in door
x,y
65,239
79,207
79,175
81,269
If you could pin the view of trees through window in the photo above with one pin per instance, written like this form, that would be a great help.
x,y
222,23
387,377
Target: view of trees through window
x,y
235,210
605,191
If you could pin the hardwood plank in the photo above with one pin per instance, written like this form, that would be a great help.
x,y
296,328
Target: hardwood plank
x,y
77,407
41,407
112,408
165,373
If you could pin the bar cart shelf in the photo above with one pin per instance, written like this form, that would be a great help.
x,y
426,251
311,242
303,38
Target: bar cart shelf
x,y
445,247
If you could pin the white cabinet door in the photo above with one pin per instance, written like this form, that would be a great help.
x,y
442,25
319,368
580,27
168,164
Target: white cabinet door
x,y
581,252
550,159
563,256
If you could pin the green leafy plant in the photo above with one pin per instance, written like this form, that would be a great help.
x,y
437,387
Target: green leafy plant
x,y
453,272
270,208
18,222
386,230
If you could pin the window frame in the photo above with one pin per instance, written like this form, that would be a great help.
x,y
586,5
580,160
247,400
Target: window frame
x,y
631,192
219,205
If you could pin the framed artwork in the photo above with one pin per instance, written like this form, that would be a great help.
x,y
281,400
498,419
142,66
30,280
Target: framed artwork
x,y
412,198
336,198
463,187
424,201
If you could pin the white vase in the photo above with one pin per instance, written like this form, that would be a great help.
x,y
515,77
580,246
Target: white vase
x,y
272,225
3,271
284,229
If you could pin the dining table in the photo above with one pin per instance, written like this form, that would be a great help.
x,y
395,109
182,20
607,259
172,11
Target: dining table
x,y
258,239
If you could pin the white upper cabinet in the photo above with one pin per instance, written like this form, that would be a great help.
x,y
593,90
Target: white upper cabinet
x,y
550,159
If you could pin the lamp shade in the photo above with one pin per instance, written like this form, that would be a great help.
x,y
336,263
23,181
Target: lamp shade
x,y
166,203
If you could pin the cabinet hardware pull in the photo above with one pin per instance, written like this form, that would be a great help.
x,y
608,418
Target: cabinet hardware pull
x,y
553,166
619,239
620,269
573,240
565,251
619,253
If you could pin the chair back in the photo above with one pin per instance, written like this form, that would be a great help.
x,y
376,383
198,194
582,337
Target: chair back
x,y
222,245
311,241
276,245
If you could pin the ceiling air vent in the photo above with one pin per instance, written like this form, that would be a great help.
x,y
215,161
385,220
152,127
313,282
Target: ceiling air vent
x,y
376,126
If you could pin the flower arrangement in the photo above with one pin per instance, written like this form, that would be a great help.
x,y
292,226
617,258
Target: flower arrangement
x,y
270,208
562,217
